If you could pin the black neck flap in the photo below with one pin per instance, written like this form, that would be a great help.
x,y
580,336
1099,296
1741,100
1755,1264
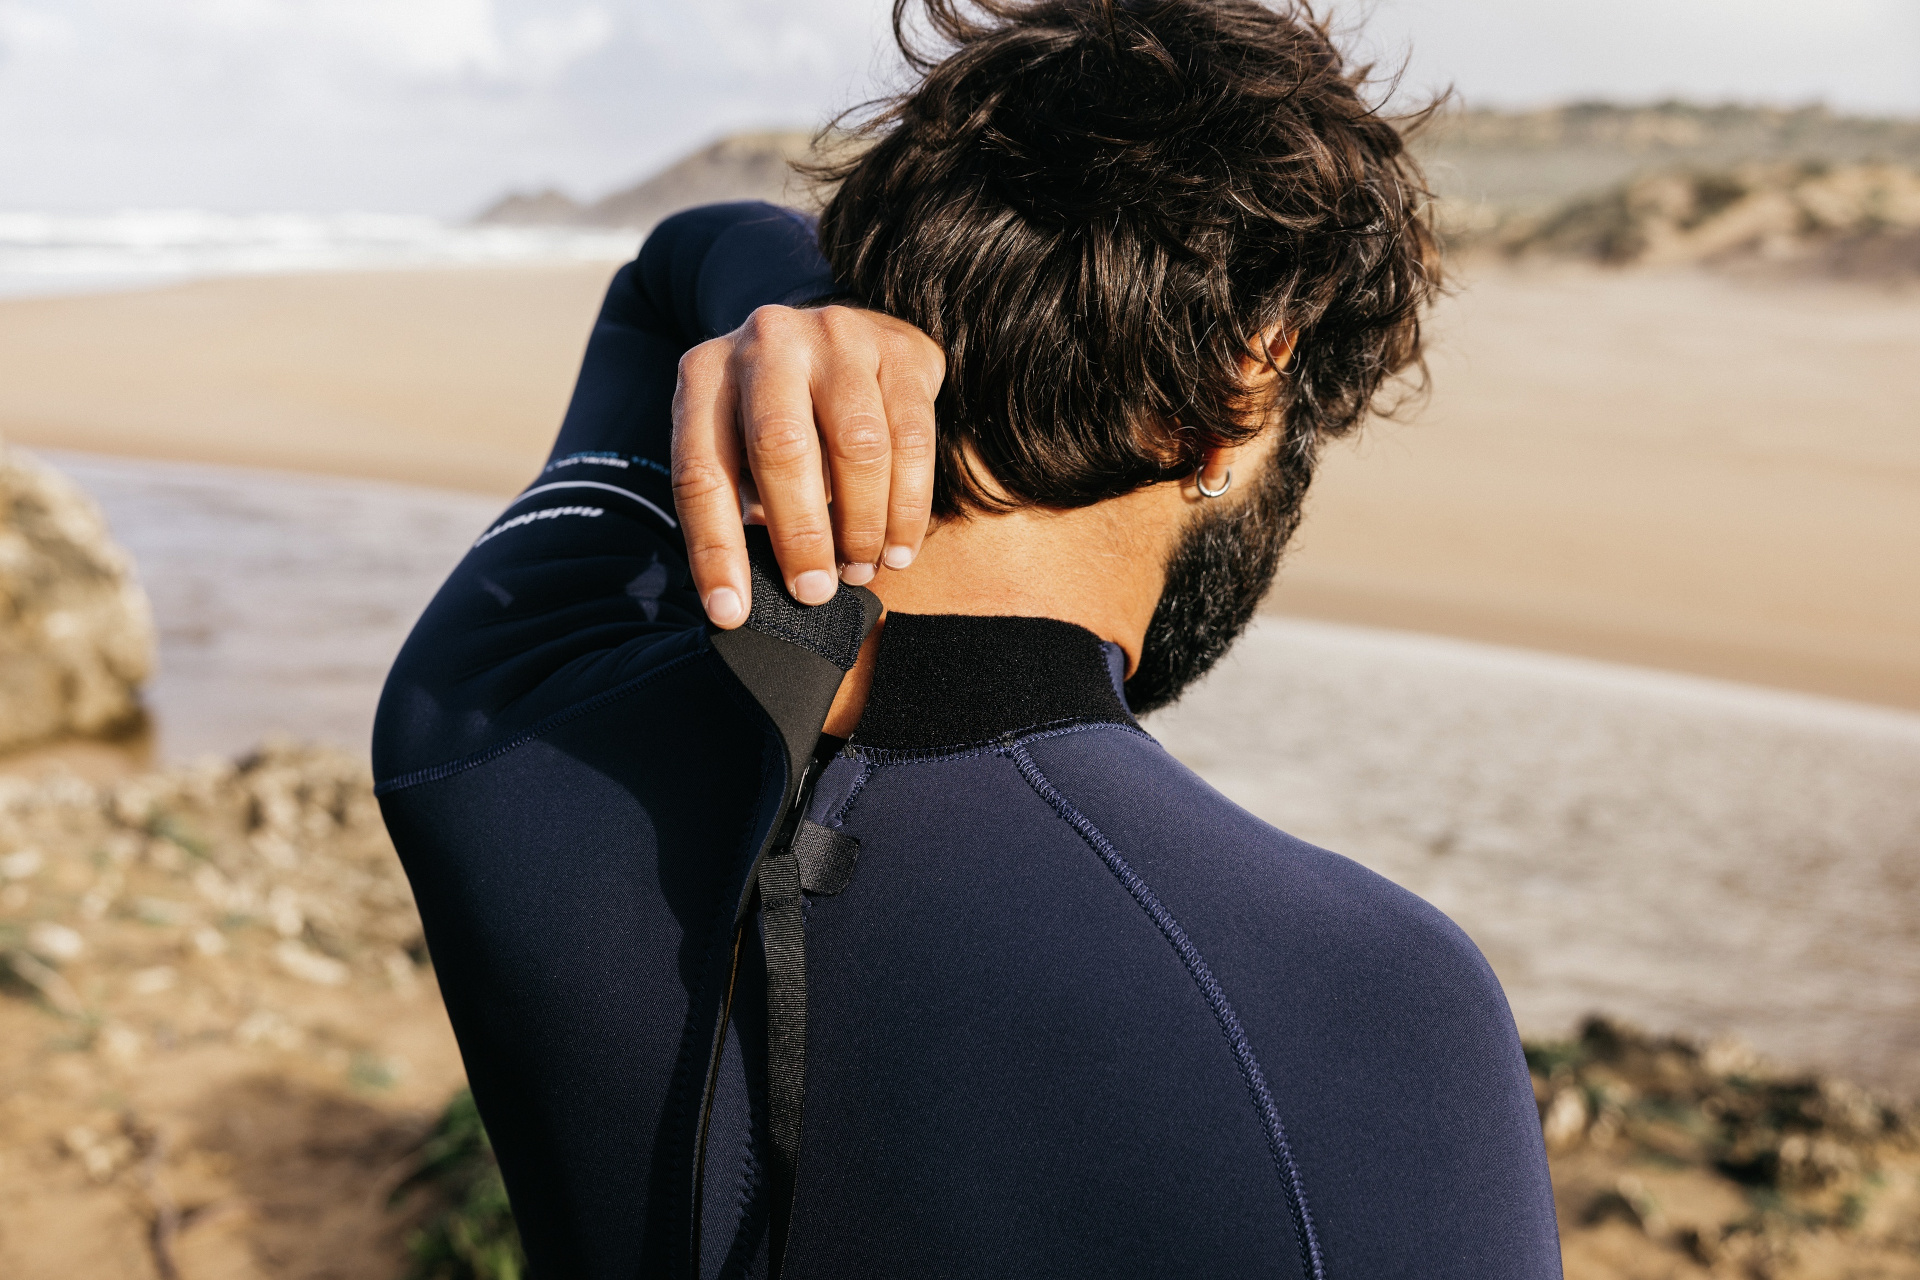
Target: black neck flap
x,y
946,681
792,657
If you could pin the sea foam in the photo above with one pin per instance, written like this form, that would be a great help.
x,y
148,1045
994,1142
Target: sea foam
x,y
44,253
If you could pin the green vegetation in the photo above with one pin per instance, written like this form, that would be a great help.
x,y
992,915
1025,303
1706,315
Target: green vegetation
x,y
470,1233
1805,1154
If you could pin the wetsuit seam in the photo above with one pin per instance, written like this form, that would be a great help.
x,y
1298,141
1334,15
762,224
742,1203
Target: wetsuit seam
x,y
539,729
1251,1073
838,814
997,746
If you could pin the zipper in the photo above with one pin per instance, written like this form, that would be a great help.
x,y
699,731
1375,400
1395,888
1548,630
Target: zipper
x,y
785,827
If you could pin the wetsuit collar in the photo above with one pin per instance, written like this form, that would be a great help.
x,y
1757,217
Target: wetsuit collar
x,y
949,681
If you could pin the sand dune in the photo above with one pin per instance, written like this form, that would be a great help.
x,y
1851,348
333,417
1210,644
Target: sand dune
x,y
1670,469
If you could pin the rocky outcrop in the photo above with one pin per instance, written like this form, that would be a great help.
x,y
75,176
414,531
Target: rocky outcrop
x,y
548,208
745,166
1666,133
214,997
1767,212
76,635
1672,1158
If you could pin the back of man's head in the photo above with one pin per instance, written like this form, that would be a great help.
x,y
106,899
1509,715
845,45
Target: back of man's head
x,y
1098,206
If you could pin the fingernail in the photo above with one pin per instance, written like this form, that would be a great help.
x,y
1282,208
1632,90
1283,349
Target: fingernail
x,y
897,557
858,575
815,586
723,606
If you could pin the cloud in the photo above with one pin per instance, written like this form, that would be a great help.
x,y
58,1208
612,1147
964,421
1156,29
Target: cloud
x,y
403,105
26,32
436,105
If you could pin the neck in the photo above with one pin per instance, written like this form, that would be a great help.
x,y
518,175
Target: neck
x,y
1100,567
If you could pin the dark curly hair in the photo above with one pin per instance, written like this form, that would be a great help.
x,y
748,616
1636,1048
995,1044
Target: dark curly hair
x,y
1097,206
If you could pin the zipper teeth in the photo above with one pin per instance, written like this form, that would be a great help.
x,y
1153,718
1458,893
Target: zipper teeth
x,y
706,1104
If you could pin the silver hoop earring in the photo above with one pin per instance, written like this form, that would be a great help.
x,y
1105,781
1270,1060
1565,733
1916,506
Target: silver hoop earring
x,y
1200,482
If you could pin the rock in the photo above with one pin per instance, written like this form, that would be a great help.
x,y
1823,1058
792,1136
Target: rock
x,y
549,208
76,634
1853,219
23,864
55,943
744,166
308,966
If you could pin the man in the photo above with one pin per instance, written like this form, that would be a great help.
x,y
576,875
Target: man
x,y
977,981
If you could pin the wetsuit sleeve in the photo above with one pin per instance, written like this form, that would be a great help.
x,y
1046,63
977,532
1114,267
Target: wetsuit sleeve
x,y
581,585
699,275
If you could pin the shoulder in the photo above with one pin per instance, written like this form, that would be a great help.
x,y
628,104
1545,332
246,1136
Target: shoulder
x,y
1178,831
1382,1030
714,264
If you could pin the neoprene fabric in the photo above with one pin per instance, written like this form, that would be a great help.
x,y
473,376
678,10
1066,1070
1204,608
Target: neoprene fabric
x,y
1070,1012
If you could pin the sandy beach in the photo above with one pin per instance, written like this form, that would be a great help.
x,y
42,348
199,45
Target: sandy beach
x,y
1707,474
1665,468
452,377
1713,476
1684,853
1710,475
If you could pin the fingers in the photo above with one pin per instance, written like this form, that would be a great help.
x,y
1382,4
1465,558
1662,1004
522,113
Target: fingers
x,y
909,384
771,371
706,483
818,424
853,425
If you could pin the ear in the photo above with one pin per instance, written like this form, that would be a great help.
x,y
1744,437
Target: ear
x,y
1274,350
1261,369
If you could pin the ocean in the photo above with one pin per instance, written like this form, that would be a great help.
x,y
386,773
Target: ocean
x,y
45,253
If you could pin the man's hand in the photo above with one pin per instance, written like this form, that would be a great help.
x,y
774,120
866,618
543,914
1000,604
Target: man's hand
x,y
831,411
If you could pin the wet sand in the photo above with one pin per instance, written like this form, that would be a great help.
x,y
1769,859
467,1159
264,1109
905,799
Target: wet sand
x,y
1675,470
280,599
1679,471
1696,855
455,378
1685,853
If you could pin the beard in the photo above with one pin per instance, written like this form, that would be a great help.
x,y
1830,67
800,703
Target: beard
x,y
1220,570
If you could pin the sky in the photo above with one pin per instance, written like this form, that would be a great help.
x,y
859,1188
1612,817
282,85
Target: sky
x,y
437,106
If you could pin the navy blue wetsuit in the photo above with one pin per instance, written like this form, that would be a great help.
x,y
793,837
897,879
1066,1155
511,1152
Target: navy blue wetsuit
x,y
1069,1011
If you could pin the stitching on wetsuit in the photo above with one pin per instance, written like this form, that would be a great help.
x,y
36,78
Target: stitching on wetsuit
x,y
434,773
734,1264
751,1209
721,934
999,746
838,814
1210,988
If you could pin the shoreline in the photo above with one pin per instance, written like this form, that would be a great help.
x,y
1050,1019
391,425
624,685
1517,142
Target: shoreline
x,y
1663,469
1686,853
